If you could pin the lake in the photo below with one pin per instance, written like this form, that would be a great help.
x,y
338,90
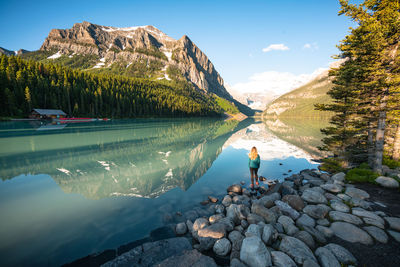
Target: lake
x,y
67,191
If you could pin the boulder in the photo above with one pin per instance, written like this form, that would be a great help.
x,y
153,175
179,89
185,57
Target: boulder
x,y
254,253
235,263
345,217
236,239
254,218
280,259
253,230
377,223
288,225
245,223
394,222
269,200
339,206
200,223
312,196
344,197
316,211
294,201
310,263
330,196
327,232
187,258
338,177
189,225
356,193
235,189
395,235
241,199
237,213
219,209
342,255
269,216
351,233
334,188
181,228
296,249
371,217
378,234
287,210
227,201
216,230
306,238
317,235
214,218
222,247
326,257
387,182
269,234
305,220
323,222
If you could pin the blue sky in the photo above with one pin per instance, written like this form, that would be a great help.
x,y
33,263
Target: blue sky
x,y
232,33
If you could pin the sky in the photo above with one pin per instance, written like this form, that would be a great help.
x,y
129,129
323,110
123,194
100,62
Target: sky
x,y
252,44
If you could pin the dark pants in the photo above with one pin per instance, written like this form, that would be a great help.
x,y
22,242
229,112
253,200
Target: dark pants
x,y
253,174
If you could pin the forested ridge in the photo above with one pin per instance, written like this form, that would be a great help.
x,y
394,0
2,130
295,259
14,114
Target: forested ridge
x,y
366,88
29,84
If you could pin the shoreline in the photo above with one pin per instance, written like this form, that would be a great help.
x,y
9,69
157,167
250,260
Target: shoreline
x,y
309,209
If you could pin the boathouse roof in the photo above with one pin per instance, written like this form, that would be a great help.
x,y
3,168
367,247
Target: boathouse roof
x,y
49,111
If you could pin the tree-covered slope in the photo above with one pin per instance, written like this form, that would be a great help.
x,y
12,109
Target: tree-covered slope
x,y
28,84
300,102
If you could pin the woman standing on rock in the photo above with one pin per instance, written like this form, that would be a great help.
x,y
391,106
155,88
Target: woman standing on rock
x,y
254,164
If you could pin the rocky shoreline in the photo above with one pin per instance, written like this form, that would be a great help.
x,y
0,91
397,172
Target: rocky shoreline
x,y
307,220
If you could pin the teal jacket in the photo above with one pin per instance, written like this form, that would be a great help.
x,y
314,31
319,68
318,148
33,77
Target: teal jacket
x,y
254,163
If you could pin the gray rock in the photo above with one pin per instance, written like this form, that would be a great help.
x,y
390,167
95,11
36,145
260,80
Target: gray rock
x,y
276,210
378,234
280,259
339,206
344,197
380,213
394,222
254,218
305,220
325,176
268,215
323,222
316,211
241,199
387,182
205,243
351,233
268,201
288,225
296,249
330,196
216,217
334,188
228,223
253,230
310,263
200,223
326,257
236,238
216,230
227,201
345,217
236,263
317,235
219,209
317,189
395,235
237,213
269,234
278,227
187,258
222,247
245,223
356,193
151,253
358,202
189,225
287,210
294,201
254,253
306,238
181,228
339,177
312,196
235,189
342,255
327,232
368,214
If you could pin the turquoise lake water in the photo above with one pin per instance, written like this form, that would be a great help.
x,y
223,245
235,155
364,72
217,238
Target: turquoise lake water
x,y
67,191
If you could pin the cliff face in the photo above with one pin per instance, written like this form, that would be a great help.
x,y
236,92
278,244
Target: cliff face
x,y
129,45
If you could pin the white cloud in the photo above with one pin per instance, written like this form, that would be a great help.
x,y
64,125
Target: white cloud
x,y
313,46
274,83
280,47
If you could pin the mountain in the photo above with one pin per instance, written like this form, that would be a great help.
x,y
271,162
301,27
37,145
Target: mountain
x,y
300,102
6,52
141,51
